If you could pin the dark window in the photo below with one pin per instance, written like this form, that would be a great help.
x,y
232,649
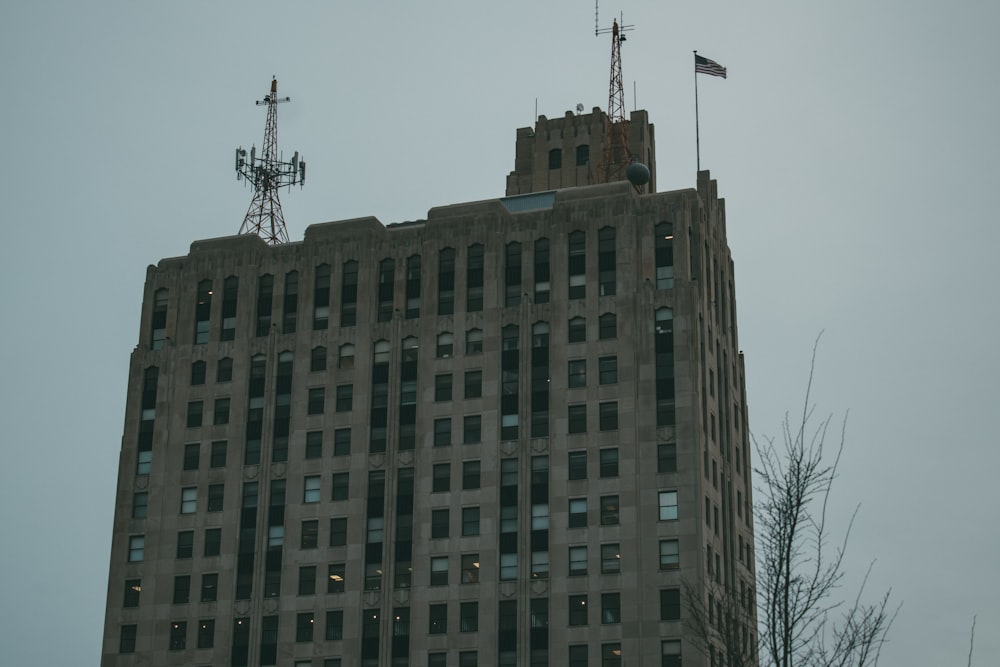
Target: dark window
x,y
582,155
577,330
470,475
441,477
412,287
304,626
338,532
512,274
608,326
609,510
185,544
341,486
198,372
578,655
577,265
474,341
317,396
178,636
126,644
209,587
670,604
664,233
472,429
611,558
446,281
578,610
345,397
314,444
542,275
217,458
609,416
386,285
666,457
577,373
473,384
290,303
342,442
609,462
577,512
206,633
321,298
468,614
671,652
307,580
578,418
611,608
159,324
474,279
221,415
336,575
310,534
470,521
213,541
216,496
349,294
334,625
265,294
439,523
442,432
192,454
578,465
202,312
133,587
437,614
608,370
317,359
606,261
442,387
224,370
555,158
140,505
194,412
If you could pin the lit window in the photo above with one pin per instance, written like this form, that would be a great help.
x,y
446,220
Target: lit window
x,y
577,560
668,505
577,373
140,505
189,500
611,608
439,571
473,341
336,576
611,558
470,568
611,655
609,510
577,512
445,345
133,587
311,489
669,555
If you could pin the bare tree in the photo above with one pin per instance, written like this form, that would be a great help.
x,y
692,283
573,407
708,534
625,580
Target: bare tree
x,y
802,622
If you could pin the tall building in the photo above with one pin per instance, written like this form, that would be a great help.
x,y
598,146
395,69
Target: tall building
x,y
510,434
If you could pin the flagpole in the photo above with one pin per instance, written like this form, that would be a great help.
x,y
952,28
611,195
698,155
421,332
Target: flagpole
x,y
697,136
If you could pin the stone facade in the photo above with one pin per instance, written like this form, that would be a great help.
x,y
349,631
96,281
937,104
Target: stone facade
x,y
429,443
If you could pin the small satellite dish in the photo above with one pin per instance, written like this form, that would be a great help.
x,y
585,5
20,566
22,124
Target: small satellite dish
x,y
579,108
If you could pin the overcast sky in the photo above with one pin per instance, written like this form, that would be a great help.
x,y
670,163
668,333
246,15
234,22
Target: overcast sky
x,y
855,144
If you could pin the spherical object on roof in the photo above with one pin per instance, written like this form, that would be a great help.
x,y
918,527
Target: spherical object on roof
x,y
637,173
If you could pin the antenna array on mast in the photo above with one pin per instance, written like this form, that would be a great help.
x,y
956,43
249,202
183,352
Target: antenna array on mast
x,y
617,156
268,173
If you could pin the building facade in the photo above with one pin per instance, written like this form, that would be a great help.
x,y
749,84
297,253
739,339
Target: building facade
x,y
510,434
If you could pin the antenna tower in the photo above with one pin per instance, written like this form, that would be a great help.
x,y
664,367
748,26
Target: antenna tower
x,y
268,173
616,157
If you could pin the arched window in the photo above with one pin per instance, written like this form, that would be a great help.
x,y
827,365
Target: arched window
x,y
555,158
445,344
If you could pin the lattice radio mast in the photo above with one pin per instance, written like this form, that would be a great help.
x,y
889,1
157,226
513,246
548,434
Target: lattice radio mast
x,y
268,173
617,156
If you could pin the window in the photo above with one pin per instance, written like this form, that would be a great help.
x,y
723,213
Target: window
x,y
446,281
582,159
345,397
442,387
192,455
666,457
608,327
468,616
664,233
126,643
202,312
611,655
671,653
224,370
159,323
345,361
609,510
303,627
217,457
342,442
437,614
611,558
178,636
335,577
185,544
470,568
609,416
314,445
669,555
437,659
473,384
317,396
542,271
413,264
317,359
290,302
670,604
206,633
349,294
668,505
310,534
577,265
577,373
442,432
512,274
470,475
474,279
609,462
441,478
508,566
472,429
608,370
133,587
311,489
140,505
307,580
555,158
386,285
209,587
577,330
445,345
194,413
578,465
578,655
216,497
611,608
578,418
198,372
439,523
334,625
439,571
474,341
341,486
213,541
189,500
470,521
578,610
577,512
577,560
321,298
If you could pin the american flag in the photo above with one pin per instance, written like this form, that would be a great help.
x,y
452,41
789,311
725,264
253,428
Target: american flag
x,y
710,67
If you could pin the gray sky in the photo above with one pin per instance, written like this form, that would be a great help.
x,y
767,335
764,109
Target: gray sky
x,y
855,143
